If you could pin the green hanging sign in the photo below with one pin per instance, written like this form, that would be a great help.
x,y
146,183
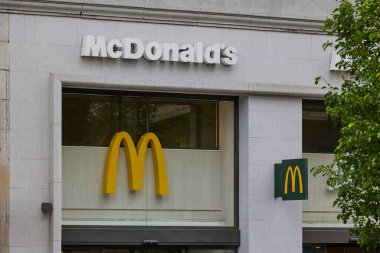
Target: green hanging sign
x,y
291,179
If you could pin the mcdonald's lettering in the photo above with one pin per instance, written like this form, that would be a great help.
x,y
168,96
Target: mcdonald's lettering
x,y
291,179
135,163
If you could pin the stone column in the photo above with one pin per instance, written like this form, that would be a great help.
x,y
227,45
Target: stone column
x,y
4,133
270,130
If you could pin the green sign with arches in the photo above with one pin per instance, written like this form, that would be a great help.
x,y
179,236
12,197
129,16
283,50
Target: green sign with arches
x,y
291,179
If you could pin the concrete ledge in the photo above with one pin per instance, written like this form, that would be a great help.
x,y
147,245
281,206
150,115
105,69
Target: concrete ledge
x,y
209,87
155,15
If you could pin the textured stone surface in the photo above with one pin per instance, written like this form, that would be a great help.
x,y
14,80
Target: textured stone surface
x,y
4,27
309,9
29,232
26,202
4,133
45,54
29,250
272,225
4,56
3,84
264,57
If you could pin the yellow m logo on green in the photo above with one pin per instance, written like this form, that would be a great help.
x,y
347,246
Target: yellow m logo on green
x,y
135,163
293,174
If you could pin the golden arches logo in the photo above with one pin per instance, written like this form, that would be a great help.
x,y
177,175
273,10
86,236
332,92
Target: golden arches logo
x,y
135,162
293,174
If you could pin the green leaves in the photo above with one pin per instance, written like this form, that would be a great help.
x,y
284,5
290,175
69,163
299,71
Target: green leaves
x,y
356,104
374,35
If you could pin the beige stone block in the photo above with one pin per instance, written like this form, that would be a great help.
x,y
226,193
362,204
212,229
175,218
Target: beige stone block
x,y
4,56
3,149
3,114
3,84
4,27
29,232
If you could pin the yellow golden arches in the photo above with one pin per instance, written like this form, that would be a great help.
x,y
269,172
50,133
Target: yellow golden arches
x,y
135,163
293,174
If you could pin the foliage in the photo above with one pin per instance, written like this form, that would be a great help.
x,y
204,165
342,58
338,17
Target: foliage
x,y
356,104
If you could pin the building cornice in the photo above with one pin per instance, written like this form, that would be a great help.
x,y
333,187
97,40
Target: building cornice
x,y
162,16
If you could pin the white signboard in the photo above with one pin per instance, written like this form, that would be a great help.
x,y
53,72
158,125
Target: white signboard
x,y
133,48
335,58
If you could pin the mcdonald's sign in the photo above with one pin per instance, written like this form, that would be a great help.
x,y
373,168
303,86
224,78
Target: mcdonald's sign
x,y
135,163
291,179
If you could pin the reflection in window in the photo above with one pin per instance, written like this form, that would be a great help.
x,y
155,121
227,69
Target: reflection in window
x,y
320,133
180,123
89,120
93,119
132,116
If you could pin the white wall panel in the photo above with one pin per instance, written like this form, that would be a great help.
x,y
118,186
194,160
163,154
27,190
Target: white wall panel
x,y
197,192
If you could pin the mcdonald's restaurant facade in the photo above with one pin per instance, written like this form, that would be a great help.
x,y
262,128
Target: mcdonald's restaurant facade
x,y
154,126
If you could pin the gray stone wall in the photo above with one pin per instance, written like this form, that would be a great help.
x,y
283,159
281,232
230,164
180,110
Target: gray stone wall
x,y
270,130
303,9
287,15
4,133
44,54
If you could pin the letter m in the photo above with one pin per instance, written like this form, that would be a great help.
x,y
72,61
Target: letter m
x,y
135,162
293,174
94,47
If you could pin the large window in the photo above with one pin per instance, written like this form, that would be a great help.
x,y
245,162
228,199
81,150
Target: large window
x,y
197,134
319,139
92,120
320,133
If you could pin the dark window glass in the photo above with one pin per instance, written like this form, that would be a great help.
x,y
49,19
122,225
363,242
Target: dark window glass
x,y
313,249
184,123
358,250
335,249
133,117
93,119
320,134
89,120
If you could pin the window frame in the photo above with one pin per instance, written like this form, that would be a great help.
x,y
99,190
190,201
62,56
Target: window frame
x,y
308,104
76,235
147,96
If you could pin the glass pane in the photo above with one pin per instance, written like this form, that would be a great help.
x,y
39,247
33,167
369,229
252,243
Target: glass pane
x,y
133,118
319,133
313,249
198,137
358,250
201,181
335,250
184,123
89,120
